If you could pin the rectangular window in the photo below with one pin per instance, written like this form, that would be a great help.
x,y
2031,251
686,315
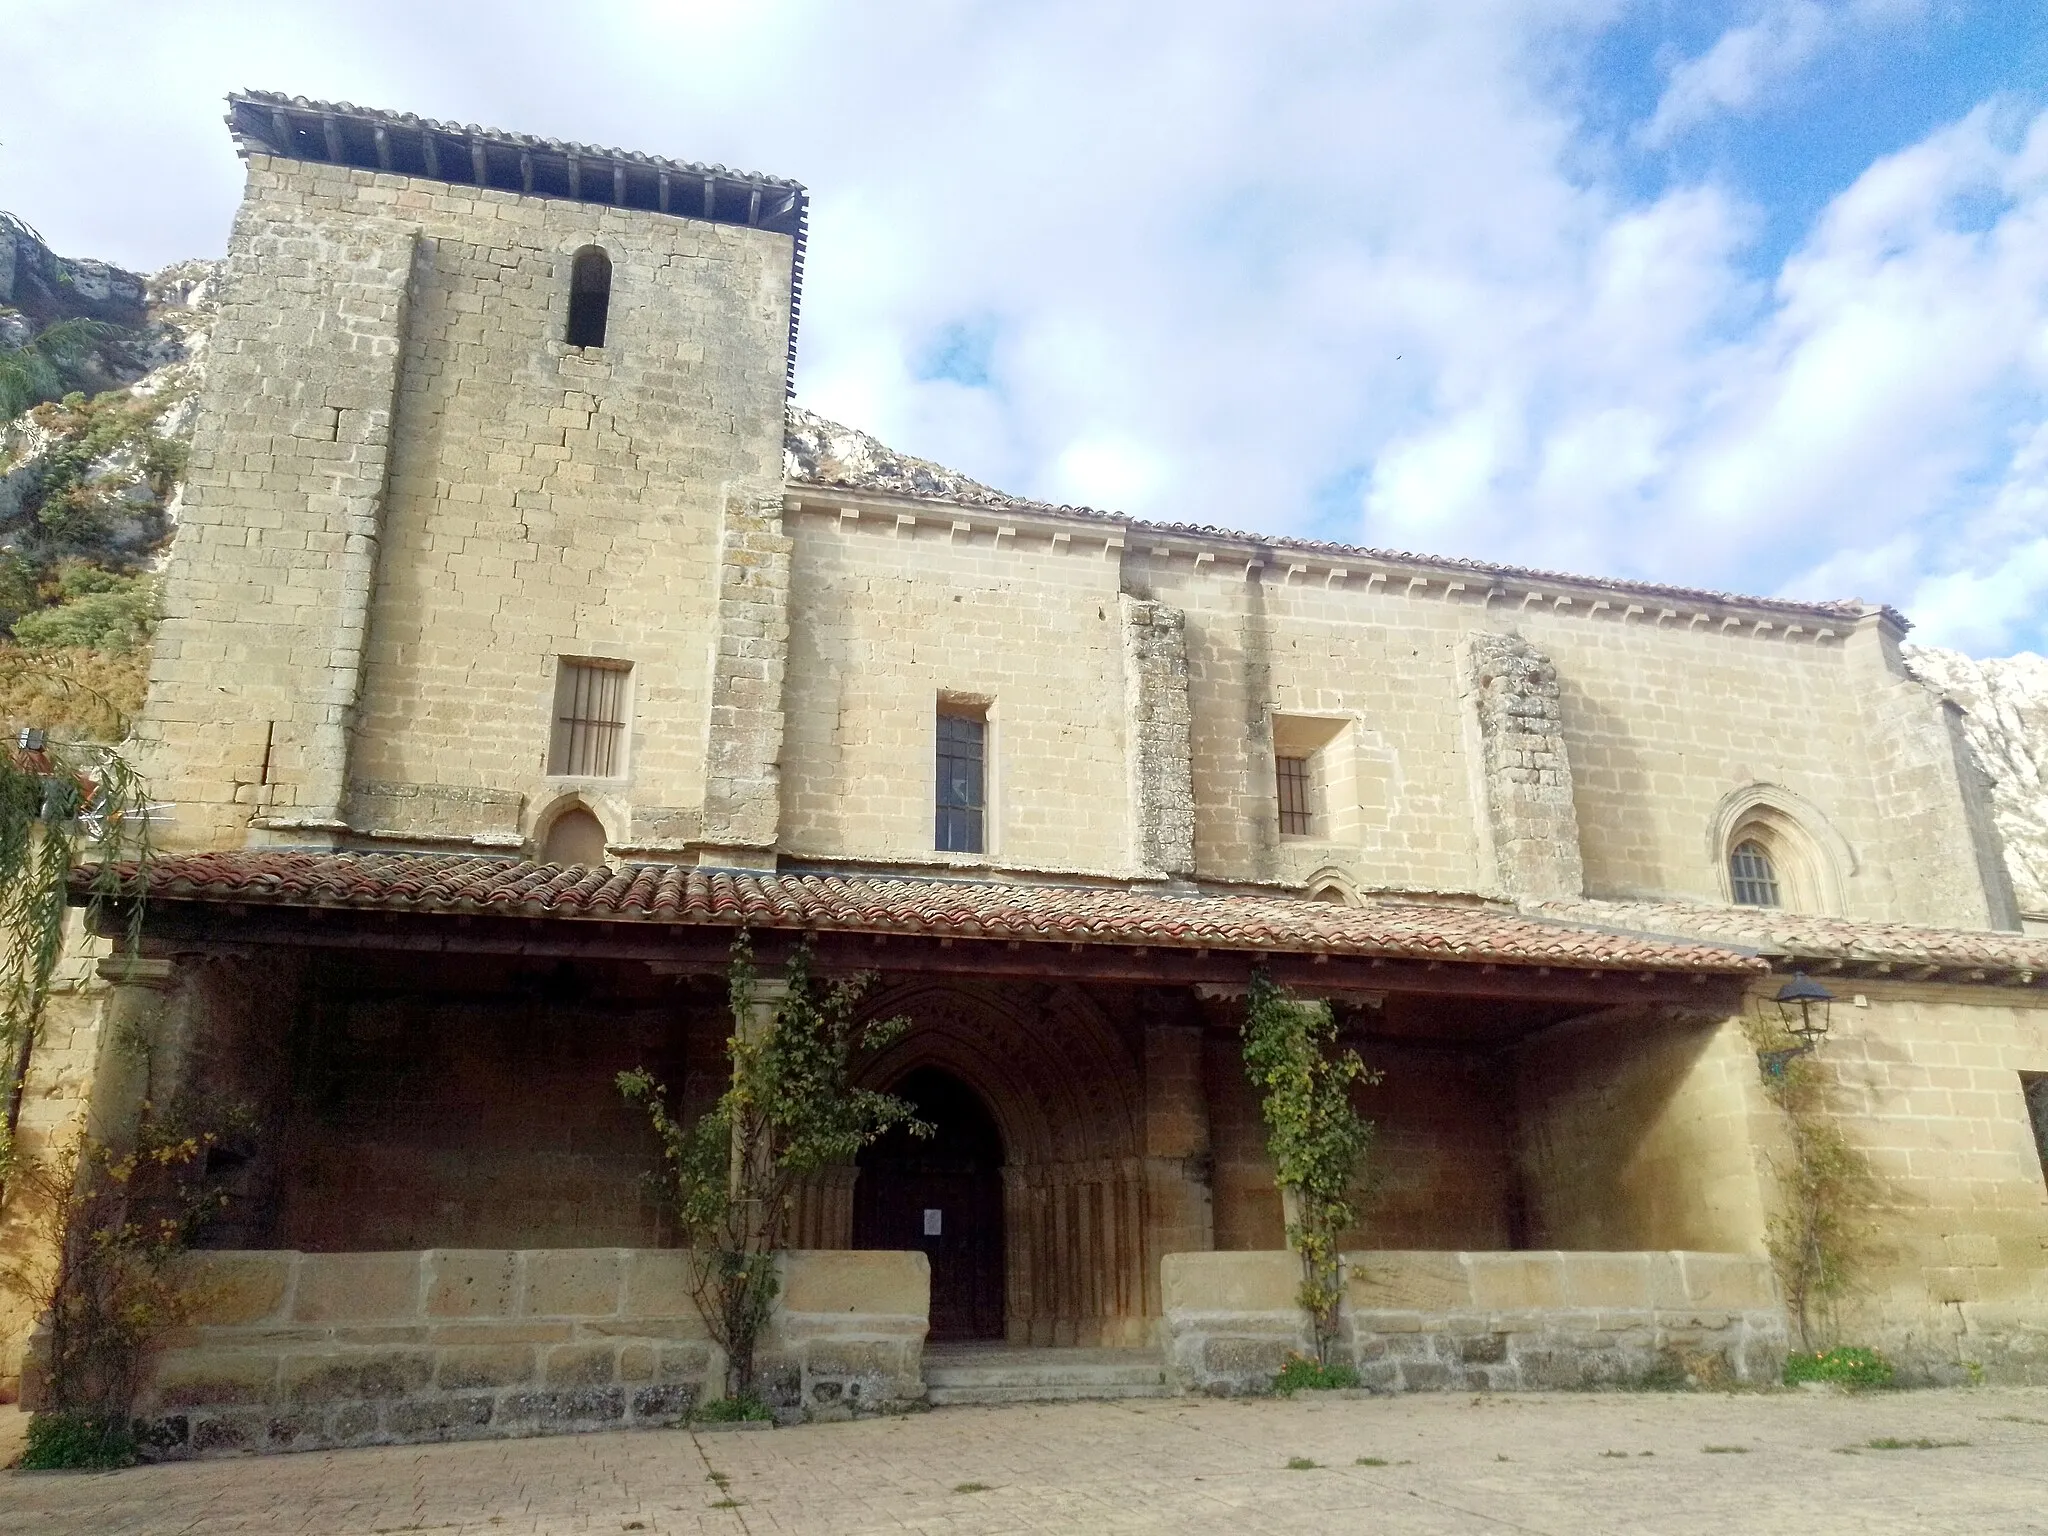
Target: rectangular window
x,y
2035,1085
962,781
1297,797
589,740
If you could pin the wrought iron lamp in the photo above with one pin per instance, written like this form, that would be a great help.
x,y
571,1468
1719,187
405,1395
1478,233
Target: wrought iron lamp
x,y
1801,1009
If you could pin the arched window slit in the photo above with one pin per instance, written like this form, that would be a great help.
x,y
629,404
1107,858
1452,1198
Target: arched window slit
x,y
590,297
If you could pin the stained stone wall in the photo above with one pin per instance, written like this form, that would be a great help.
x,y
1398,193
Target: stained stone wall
x,y
291,1351
1483,1322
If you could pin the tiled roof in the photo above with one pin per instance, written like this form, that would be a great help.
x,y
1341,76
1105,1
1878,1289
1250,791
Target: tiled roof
x,y
658,893
1805,936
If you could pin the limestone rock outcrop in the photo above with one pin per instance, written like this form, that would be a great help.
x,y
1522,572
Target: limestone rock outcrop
x,y
2005,705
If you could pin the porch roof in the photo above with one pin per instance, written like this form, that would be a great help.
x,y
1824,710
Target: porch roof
x,y
471,884
1904,951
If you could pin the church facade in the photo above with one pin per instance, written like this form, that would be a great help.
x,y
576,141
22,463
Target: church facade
x,y
510,666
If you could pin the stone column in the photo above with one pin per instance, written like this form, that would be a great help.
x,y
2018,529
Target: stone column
x,y
130,1039
1179,1204
753,1028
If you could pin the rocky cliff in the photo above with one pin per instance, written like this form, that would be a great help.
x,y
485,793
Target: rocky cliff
x,y
2005,708
108,365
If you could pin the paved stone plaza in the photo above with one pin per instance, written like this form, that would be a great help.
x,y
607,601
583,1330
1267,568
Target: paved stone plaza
x,y
1571,1465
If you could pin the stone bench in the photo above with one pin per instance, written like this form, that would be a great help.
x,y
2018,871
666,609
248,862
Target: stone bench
x,y
1482,1321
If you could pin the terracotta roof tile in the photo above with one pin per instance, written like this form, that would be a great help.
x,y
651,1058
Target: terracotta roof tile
x,y
1806,936
471,883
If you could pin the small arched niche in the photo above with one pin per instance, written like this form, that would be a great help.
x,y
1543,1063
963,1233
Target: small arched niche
x,y
573,836
590,297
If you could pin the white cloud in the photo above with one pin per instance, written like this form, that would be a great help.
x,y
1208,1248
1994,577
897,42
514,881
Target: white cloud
x,y
1336,267
1748,62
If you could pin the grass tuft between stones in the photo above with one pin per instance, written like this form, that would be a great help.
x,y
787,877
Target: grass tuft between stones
x,y
971,1487
1725,1450
1301,1464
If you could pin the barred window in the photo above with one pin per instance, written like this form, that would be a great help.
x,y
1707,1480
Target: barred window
x,y
1297,804
962,780
590,720
1752,876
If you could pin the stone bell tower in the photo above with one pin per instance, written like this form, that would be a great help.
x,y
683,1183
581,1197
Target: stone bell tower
x,y
487,419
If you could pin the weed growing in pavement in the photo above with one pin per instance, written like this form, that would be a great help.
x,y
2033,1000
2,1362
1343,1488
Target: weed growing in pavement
x,y
1849,1365
1622,1454
1725,1450
1301,1464
1893,1443
1372,1461
970,1487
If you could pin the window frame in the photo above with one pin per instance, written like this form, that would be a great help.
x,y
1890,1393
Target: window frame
x,y
959,823
1762,879
615,734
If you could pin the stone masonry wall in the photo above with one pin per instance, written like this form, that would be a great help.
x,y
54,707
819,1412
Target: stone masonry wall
x,y
1482,1322
890,610
258,662
1531,826
390,398
750,647
291,1351
1929,1083
1156,708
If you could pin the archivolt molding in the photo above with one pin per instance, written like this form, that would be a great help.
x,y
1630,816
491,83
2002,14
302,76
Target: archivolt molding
x,y
1331,878
610,812
1054,1075
1813,860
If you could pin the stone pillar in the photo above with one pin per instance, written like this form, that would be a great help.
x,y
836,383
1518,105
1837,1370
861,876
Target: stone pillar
x,y
1159,720
1527,818
130,1038
1179,1203
750,650
753,1028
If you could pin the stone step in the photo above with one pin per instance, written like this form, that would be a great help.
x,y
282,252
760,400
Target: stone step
x,y
1044,1392
1000,1374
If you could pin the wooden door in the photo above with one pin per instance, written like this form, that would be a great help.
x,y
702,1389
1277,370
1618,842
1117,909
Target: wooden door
x,y
942,1195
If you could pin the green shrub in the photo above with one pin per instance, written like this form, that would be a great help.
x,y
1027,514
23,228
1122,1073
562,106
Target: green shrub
x,y
1301,1374
745,1409
116,620
72,1441
1851,1365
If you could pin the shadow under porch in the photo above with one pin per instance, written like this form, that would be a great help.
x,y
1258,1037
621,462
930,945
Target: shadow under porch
x,y
412,1088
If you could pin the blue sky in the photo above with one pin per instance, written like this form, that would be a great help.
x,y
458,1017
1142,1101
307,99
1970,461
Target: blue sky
x,y
1748,295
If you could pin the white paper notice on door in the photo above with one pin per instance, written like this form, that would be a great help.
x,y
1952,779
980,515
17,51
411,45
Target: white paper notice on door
x,y
932,1222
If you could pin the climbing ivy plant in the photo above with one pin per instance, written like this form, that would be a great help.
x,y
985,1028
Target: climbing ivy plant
x,y
790,1108
1817,1235
60,805
1315,1136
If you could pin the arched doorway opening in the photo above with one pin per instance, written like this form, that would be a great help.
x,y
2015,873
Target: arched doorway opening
x,y
942,1194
